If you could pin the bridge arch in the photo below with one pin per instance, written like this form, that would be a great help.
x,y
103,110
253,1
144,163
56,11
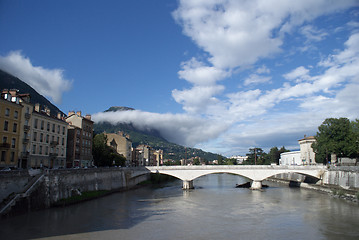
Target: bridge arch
x,y
256,173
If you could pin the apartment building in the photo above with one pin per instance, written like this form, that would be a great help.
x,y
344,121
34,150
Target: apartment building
x,y
25,126
48,139
10,115
80,138
122,144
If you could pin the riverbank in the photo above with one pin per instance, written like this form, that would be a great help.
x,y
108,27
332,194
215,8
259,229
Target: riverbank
x,y
333,190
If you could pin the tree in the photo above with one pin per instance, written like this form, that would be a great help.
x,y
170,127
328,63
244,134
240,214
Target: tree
x,y
105,155
255,156
334,136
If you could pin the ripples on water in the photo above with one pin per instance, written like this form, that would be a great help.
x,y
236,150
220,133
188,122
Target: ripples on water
x,y
214,210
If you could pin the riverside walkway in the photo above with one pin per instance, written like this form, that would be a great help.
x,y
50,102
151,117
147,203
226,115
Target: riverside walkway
x,y
256,173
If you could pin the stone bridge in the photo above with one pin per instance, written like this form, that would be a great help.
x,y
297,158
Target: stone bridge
x,y
256,173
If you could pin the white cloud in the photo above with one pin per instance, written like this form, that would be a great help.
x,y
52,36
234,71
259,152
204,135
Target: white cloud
x,y
178,128
48,82
313,34
197,73
300,73
237,33
256,79
197,99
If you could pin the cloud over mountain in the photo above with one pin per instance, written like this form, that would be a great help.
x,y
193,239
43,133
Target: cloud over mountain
x,y
48,82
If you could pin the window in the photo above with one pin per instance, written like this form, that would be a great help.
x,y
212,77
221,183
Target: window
x,y
12,157
40,150
7,112
35,136
16,114
27,110
13,143
53,127
47,138
41,136
63,141
33,149
63,130
35,123
3,156
47,150
14,128
26,122
6,126
42,125
58,129
48,127
4,139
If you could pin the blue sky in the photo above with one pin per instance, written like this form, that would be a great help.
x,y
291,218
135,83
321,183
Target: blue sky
x,y
219,75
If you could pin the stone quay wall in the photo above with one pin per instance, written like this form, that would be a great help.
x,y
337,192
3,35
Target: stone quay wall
x,y
342,176
47,187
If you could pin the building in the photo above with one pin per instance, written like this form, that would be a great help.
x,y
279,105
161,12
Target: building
x,y
48,139
25,126
305,156
10,121
122,144
240,159
79,141
158,157
144,157
290,158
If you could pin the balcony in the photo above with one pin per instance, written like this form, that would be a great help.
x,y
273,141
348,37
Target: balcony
x,y
26,127
5,145
27,115
54,143
53,155
25,140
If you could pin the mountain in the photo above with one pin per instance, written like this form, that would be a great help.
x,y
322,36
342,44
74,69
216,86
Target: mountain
x,y
8,81
152,138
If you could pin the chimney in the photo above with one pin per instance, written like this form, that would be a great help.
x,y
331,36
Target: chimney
x,y
78,113
88,116
37,107
71,113
47,111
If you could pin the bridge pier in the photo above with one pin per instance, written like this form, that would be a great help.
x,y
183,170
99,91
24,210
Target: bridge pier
x,y
256,185
187,184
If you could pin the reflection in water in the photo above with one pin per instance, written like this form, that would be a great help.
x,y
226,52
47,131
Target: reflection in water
x,y
214,210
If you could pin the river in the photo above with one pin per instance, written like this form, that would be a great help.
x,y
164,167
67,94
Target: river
x,y
213,210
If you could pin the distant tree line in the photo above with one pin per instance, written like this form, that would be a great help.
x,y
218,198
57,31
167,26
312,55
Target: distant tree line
x,y
257,156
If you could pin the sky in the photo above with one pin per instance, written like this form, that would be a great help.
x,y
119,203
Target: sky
x,y
219,75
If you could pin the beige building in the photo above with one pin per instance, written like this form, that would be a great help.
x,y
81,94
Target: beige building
x,y
157,157
10,120
80,138
307,154
122,144
25,126
48,139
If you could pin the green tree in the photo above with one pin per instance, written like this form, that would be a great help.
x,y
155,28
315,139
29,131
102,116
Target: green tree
x,y
196,161
335,135
105,155
231,161
255,156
